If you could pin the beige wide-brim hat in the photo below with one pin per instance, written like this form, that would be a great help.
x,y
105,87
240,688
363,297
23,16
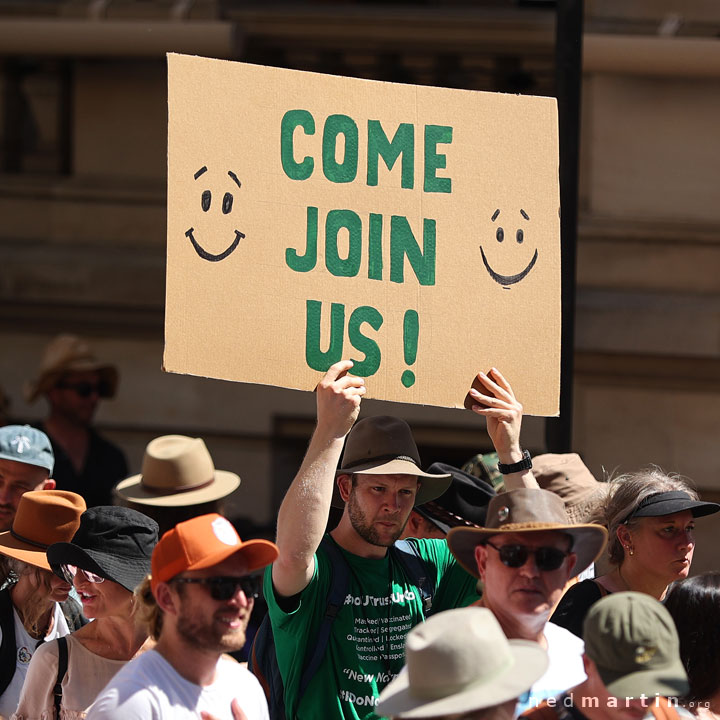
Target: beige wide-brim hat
x,y
384,445
459,661
528,510
177,471
43,517
69,353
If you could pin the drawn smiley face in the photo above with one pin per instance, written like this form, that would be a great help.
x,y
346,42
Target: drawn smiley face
x,y
507,280
226,208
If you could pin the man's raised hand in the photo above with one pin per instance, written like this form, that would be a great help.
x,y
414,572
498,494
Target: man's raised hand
x,y
497,403
338,399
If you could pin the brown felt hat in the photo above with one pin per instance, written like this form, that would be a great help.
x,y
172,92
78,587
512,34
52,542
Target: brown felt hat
x,y
384,445
69,353
177,471
524,511
43,517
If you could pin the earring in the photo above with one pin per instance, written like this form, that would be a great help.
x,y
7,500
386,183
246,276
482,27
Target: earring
x,y
631,552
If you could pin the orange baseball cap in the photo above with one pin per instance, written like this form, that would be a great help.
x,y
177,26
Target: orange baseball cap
x,y
202,542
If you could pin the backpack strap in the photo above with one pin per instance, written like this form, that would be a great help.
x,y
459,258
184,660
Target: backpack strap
x,y
8,650
62,670
339,583
407,554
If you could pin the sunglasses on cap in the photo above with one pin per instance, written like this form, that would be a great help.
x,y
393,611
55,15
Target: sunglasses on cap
x,y
223,588
515,556
70,571
86,389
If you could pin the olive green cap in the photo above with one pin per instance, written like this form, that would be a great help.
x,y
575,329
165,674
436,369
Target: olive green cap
x,y
632,639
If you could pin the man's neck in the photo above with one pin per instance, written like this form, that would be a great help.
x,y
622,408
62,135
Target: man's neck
x,y
72,437
347,538
195,665
520,628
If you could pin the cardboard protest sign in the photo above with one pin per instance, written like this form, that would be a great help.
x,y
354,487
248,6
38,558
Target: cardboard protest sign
x,y
313,218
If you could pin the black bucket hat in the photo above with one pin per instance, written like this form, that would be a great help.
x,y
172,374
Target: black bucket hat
x,y
113,542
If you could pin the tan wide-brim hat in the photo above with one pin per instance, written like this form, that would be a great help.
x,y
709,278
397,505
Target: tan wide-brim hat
x,y
177,471
528,510
459,661
384,445
43,517
69,353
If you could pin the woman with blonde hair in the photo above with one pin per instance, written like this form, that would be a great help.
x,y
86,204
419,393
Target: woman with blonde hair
x,y
107,558
650,517
34,604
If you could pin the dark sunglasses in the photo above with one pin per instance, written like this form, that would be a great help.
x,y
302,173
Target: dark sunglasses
x,y
86,389
515,556
223,588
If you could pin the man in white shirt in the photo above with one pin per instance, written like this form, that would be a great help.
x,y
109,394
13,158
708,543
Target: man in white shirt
x,y
197,603
525,555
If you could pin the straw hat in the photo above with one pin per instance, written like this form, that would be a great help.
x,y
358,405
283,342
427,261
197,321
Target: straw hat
x,y
69,353
177,471
524,511
384,445
459,661
43,517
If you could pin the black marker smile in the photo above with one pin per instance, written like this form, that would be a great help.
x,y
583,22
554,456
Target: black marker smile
x,y
205,255
508,279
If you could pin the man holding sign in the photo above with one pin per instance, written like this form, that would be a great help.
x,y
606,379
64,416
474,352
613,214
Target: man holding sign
x,y
379,482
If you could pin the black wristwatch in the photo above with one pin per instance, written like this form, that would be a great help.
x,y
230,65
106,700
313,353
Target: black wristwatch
x,y
524,464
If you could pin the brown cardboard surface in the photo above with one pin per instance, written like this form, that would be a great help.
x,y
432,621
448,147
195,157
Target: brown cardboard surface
x,y
245,301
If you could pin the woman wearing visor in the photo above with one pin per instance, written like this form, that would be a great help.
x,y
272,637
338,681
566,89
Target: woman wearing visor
x,y
650,518
107,558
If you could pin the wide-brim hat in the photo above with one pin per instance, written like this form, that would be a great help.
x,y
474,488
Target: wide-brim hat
x,y
463,503
633,641
384,445
113,542
528,510
459,661
43,517
177,471
566,475
202,542
69,353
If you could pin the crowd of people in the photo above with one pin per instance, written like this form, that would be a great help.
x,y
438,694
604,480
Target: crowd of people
x,y
513,587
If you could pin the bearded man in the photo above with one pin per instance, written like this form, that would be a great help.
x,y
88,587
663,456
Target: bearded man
x,y
379,482
196,604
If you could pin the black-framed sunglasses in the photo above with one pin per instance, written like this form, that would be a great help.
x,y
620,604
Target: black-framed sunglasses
x,y
85,389
223,588
515,556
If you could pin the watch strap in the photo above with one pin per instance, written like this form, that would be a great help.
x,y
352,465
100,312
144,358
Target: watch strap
x,y
509,469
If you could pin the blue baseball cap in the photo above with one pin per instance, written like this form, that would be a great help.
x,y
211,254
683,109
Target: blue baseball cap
x,y
28,445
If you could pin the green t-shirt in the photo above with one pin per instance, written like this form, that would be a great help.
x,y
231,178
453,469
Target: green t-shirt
x,y
366,649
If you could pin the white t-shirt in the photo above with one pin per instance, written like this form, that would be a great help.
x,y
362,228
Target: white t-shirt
x,y
565,670
25,646
149,688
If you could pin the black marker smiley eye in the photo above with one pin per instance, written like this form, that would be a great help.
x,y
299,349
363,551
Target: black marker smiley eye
x,y
500,234
206,198
227,203
519,235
